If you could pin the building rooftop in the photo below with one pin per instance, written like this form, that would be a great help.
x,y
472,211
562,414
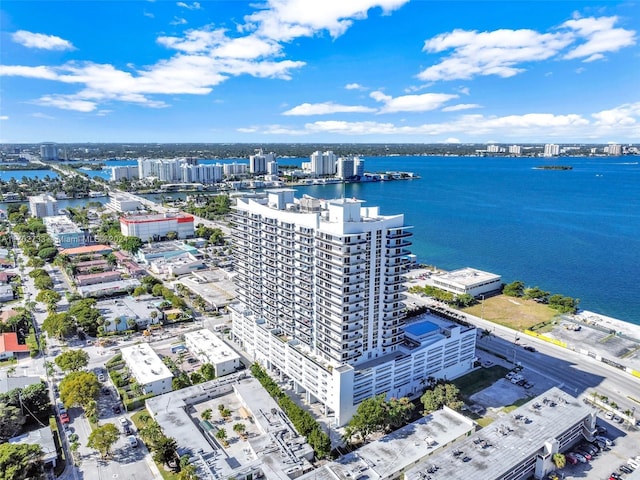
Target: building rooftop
x,y
273,445
60,224
493,451
42,437
216,350
115,286
9,343
8,383
145,364
159,217
86,250
387,457
105,275
467,277
421,328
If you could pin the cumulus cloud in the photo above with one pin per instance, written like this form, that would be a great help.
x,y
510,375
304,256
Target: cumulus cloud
x,y
622,120
461,106
354,86
499,52
4,117
505,52
325,109
206,57
40,40
411,103
600,36
178,21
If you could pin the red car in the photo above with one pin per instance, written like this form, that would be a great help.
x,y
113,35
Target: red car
x,y
64,417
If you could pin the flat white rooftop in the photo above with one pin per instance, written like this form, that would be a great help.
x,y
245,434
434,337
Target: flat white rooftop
x,y
145,364
387,457
215,349
467,277
493,451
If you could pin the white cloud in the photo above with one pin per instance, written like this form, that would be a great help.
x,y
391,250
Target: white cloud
x,y
66,102
452,140
4,117
325,109
192,6
490,53
600,37
622,115
148,14
354,86
205,57
411,103
464,90
622,121
42,115
505,52
40,40
178,21
284,20
461,106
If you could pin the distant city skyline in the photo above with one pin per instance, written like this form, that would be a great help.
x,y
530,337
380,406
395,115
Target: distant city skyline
x,y
371,71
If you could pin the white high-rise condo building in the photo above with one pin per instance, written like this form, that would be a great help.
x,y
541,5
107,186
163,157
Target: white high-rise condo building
x,y
49,151
323,163
613,149
515,149
320,289
258,162
551,150
42,206
346,167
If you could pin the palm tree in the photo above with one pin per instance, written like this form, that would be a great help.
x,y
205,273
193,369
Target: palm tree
x,y
206,414
239,428
222,436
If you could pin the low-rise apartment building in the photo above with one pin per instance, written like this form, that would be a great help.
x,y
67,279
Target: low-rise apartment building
x,y
467,281
208,348
148,369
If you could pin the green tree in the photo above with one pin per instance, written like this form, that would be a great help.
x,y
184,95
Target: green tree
x,y
370,417
208,371
559,460
131,244
563,304
188,472
11,421
164,450
535,293
172,235
464,300
181,381
35,400
50,298
47,253
19,461
79,388
103,438
514,289
451,396
433,399
320,442
43,282
72,360
59,325
221,435
206,414
196,378
239,428
398,411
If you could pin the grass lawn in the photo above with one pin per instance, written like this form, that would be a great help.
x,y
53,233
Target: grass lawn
x,y
479,380
516,313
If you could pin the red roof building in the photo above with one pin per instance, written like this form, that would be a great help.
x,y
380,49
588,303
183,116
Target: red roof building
x,y
9,345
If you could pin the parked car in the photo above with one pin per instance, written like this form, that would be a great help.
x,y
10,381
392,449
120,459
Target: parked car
x,y
588,447
607,441
64,418
600,429
633,463
133,441
571,459
608,415
580,458
123,421
623,468
529,348
101,377
126,429
584,453
115,408
510,375
617,419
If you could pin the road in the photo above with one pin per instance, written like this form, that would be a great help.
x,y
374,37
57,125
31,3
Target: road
x,y
577,374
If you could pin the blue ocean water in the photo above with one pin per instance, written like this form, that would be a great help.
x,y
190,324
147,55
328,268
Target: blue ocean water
x,y
6,175
572,232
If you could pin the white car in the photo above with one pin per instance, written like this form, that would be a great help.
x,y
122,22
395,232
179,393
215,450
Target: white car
x,y
123,421
607,441
133,441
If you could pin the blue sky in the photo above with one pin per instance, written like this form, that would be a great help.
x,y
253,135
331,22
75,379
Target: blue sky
x,y
329,71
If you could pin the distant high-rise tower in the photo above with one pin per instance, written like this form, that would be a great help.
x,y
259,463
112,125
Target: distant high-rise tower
x,y
551,150
49,151
515,150
323,163
258,162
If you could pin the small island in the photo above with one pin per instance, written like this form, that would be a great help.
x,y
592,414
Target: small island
x,y
554,167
